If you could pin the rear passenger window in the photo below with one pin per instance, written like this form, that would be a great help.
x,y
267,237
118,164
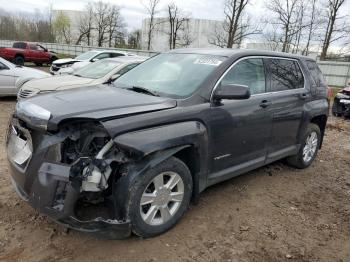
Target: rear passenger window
x,y
249,72
316,73
285,75
19,45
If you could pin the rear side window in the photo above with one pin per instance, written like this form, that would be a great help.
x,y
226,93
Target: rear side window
x,y
285,75
116,54
19,45
249,72
316,73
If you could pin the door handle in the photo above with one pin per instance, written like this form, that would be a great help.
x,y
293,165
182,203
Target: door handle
x,y
265,103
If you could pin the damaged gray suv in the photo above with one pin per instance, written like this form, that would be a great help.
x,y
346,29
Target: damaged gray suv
x,y
131,156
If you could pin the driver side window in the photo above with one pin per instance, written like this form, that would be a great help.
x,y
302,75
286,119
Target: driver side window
x,y
249,72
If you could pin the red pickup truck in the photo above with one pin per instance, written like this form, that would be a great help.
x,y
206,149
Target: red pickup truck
x,y
21,52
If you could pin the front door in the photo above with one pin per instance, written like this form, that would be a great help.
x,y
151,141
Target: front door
x,y
242,128
7,80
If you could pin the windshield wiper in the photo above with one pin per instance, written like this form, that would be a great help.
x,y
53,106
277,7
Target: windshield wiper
x,y
142,90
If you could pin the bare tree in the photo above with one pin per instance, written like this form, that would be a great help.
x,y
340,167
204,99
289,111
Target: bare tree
x,y
62,28
312,25
134,39
151,8
337,28
86,25
177,24
101,18
236,26
287,14
115,23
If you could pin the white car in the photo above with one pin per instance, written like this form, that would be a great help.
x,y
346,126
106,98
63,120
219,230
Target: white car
x,y
101,72
68,65
13,76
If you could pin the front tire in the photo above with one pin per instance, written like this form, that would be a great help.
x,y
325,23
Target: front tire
x,y
309,148
160,197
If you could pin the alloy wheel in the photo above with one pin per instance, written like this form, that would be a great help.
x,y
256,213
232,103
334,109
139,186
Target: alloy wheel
x,y
162,198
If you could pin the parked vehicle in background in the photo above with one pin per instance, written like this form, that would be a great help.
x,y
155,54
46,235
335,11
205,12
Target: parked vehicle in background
x,y
341,104
12,76
100,72
129,157
84,59
21,52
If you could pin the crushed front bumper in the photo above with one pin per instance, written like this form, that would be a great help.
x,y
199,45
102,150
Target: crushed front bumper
x,y
46,186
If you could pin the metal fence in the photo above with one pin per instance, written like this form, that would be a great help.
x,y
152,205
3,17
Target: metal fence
x,y
75,50
336,73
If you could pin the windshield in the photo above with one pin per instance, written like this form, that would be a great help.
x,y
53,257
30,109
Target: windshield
x,y
86,56
97,69
171,74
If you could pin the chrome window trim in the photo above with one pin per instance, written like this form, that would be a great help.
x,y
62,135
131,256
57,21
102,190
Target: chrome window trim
x,y
261,57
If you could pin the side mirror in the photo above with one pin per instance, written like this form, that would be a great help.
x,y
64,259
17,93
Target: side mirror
x,y
94,60
231,92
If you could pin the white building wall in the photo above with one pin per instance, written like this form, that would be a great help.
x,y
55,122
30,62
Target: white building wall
x,y
200,32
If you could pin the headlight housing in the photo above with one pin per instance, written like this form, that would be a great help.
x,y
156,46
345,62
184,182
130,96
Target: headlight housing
x,y
342,96
33,114
66,65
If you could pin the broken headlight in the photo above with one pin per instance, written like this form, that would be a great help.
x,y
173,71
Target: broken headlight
x,y
33,114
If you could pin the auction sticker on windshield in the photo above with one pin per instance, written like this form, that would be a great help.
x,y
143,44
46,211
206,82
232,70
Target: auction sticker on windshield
x,y
208,61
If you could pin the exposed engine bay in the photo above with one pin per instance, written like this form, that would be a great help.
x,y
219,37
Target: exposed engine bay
x,y
95,167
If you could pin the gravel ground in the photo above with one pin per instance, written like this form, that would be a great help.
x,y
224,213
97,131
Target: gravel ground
x,y
275,213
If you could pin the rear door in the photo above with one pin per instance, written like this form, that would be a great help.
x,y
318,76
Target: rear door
x,y
288,94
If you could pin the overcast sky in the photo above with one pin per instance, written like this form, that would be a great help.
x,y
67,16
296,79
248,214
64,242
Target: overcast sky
x,y
132,10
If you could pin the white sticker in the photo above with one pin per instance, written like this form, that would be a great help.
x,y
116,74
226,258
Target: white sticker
x,y
208,61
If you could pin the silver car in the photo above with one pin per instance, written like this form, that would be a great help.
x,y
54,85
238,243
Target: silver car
x,y
61,65
12,76
101,72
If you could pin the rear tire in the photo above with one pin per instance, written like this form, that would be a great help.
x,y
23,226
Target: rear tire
x,y
309,148
154,205
19,60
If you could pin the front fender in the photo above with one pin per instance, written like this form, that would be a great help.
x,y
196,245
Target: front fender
x,y
145,142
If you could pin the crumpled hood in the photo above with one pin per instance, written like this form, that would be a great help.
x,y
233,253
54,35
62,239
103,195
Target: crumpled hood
x,y
80,64
98,102
57,82
64,61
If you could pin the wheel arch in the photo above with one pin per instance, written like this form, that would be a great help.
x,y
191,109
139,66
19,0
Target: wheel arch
x,y
320,121
147,148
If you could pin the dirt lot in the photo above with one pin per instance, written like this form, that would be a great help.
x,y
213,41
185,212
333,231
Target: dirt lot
x,y
275,213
